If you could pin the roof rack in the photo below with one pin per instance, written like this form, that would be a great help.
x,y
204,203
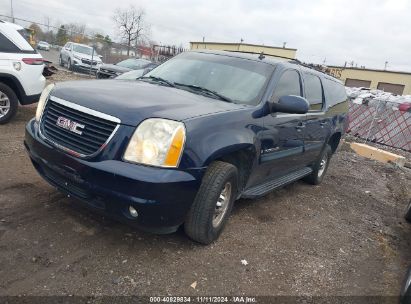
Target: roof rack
x,y
312,66
262,54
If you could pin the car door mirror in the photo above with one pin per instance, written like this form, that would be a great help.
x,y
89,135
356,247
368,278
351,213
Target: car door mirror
x,y
291,104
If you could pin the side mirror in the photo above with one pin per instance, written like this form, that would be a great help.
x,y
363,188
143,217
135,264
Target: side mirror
x,y
291,104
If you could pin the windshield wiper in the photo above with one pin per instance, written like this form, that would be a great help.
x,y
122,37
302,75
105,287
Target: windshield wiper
x,y
204,90
158,79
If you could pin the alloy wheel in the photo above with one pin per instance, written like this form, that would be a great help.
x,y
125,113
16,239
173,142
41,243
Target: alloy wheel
x,y
222,205
4,104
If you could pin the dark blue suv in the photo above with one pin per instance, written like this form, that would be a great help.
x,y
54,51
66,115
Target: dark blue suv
x,y
181,144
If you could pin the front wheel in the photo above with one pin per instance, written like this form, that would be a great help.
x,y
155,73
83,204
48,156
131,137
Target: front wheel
x,y
408,213
320,167
69,66
61,63
213,203
8,103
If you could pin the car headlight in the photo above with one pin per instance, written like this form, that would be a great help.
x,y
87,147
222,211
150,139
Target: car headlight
x,y
157,142
77,57
42,101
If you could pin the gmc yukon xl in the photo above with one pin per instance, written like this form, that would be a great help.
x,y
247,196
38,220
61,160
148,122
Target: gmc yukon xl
x,y
181,144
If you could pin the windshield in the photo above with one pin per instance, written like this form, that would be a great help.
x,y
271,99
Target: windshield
x,y
134,64
83,49
239,80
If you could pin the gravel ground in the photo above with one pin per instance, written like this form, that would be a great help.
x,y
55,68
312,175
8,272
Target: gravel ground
x,y
346,236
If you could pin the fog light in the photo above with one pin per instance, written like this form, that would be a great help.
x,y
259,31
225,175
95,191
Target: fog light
x,y
133,211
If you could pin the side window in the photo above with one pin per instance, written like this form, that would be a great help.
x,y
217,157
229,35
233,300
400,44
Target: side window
x,y
6,46
289,84
313,91
335,92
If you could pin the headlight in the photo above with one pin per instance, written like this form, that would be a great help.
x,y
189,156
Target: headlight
x,y
157,142
42,101
77,57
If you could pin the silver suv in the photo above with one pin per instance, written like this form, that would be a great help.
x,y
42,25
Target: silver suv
x,y
79,57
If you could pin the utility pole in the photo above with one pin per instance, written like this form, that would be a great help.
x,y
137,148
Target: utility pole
x,y
11,11
386,65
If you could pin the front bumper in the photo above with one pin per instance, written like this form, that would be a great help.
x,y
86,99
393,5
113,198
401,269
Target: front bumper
x,y
85,67
162,197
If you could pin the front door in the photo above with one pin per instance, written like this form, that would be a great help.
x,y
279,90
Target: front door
x,y
282,144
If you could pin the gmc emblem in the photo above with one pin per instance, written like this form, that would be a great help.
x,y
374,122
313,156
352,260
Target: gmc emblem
x,y
70,125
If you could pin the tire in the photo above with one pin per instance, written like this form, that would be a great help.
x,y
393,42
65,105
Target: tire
x,y
320,167
408,213
69,66
203,224
61,63
8,103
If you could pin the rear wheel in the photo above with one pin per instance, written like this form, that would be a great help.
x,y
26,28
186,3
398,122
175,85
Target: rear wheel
x,y
320,167
213,203
8,103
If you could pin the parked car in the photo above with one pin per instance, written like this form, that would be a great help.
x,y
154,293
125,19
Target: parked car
x,y
181,144
113,70
79,57
42,45
21,67
135,74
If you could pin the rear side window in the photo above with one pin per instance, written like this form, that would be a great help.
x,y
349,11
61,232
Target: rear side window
x,y
313,91
6,46
335,92
289,84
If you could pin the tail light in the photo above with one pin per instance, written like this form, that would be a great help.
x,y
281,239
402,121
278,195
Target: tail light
x,y
33,61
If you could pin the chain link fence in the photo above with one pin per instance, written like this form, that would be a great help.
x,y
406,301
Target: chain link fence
x,y
382,122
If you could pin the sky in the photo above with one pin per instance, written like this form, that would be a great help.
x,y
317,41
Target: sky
x,y
368,32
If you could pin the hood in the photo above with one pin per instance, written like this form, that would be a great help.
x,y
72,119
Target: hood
x,y
134,101
114,68
85,56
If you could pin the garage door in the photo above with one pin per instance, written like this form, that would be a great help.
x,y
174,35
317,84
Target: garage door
x,y
397,89
356,83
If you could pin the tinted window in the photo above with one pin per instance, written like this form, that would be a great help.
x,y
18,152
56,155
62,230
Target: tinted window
x,y
289,84
6,46
335,92
313,91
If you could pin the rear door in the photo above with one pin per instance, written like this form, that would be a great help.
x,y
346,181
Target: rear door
x,y
317,125
283,141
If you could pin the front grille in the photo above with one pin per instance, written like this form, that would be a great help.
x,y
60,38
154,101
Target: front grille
x,y
86,61
94,135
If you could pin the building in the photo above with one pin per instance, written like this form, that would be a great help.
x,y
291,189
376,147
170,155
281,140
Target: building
x,y
246,47
398,83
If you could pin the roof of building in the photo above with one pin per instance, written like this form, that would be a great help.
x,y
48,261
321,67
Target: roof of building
x,y
369,70
242,43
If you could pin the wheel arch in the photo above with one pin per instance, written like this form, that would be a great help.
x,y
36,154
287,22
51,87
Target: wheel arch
x,y
14,84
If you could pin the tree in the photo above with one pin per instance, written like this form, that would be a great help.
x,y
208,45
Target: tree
x,y
61,37
131,24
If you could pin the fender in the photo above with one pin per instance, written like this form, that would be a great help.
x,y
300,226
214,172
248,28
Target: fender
x,y
210,137
15,84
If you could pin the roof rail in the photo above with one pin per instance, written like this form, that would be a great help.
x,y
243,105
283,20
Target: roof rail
x,y
262,54
312,66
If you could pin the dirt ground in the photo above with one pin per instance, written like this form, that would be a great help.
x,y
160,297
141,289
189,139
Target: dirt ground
x,y
346,236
